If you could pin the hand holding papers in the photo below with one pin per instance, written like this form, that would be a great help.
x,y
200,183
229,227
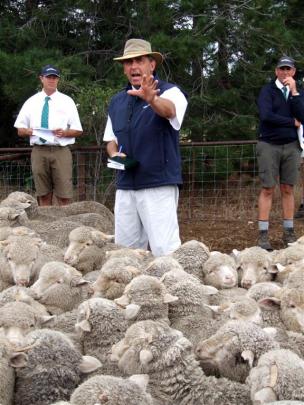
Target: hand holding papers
x,y
49,136
121,163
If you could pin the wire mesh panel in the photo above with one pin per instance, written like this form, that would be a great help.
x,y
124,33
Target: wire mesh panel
x,y
220,179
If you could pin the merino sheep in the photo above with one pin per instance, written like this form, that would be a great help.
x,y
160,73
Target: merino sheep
x,y
60,287
288,255
7,375
254,266
146,297
161,265
86,250
190,311
234,349
100,324
23,257
49,368
16,320
166,356
278,375
19,199
290,302
192,255
219,270
106,389
111,282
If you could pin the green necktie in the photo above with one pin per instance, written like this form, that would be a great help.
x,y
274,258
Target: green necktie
x,y
284,90
45,116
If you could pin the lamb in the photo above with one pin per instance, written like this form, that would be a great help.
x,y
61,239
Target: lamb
x,y
87,248
234,349
111,390
19,199
192,255
60,287
145,297
278,375
288,255
219,270
48,368
23,257
22,294
100,324
166,356
7,375
254,266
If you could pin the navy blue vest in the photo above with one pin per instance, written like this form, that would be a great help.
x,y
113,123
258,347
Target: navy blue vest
x,y
148,138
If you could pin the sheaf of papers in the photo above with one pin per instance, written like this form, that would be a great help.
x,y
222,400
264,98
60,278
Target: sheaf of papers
x,y
48,135
301,139
115,165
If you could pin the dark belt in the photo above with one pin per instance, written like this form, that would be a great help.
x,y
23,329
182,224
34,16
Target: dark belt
x,y
50,146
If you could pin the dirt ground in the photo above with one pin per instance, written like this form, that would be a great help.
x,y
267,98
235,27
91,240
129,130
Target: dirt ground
x,y
227,235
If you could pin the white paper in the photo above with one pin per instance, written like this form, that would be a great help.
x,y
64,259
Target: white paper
x,y
114,165
48,135
301,139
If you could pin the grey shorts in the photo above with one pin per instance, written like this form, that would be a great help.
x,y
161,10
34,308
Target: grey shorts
x,y
52,170
278,163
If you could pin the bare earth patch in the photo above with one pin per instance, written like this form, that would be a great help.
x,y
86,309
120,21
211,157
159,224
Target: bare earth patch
x,y
225,235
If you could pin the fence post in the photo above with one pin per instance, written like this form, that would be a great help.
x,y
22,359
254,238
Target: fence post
x,y
81,171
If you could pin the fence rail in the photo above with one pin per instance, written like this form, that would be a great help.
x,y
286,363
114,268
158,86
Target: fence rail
x,y
220,178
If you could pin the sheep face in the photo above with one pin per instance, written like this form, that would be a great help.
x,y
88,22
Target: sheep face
x,y
21,254
220,271
254,266
145,343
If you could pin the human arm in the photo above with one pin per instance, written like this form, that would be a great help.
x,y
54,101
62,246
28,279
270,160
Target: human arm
x,y
24,132
148,91
267,113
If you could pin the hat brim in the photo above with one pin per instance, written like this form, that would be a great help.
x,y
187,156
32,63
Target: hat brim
x,y
286,64
51,74
155,55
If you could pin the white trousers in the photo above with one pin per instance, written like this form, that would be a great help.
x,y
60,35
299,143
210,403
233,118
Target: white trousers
x,y
148,216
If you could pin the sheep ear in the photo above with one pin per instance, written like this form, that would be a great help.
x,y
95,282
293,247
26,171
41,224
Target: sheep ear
x,y
145,357
214,308
280,267
168,298
78,282
18,360
208,290
45,319
141,380
83,325
269,303
89,364
131,311
101,237
122,301
235,253
264,396
248,356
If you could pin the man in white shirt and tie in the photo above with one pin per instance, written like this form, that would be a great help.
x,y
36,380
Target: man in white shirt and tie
x,y
50,119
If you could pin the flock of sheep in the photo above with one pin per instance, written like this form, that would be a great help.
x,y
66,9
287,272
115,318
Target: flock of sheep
x,y
84,321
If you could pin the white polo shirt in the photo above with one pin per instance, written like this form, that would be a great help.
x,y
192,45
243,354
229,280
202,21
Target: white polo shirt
x,y
62,114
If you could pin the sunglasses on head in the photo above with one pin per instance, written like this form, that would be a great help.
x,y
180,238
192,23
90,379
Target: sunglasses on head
x,y
285,68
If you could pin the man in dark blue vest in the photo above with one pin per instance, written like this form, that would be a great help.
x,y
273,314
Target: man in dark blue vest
x,y
143,123
281,111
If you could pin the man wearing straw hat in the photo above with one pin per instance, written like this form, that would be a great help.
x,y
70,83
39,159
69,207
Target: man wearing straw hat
x,y
143,123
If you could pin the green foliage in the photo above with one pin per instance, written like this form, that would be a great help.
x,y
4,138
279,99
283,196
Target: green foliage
x,y
220,52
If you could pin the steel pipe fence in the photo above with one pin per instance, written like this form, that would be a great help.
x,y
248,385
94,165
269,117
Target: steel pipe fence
x,y
220,178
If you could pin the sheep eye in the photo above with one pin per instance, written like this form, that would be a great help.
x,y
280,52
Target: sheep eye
x,y
292,305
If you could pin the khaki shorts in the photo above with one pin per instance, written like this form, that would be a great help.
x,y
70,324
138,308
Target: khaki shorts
x,y
52,170
278,163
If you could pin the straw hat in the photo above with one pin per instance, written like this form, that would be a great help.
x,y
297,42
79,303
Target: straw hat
x,y
139,47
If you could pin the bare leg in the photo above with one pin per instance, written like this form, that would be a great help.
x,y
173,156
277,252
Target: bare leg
x,y
45,200
63,201
287,201
265,203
